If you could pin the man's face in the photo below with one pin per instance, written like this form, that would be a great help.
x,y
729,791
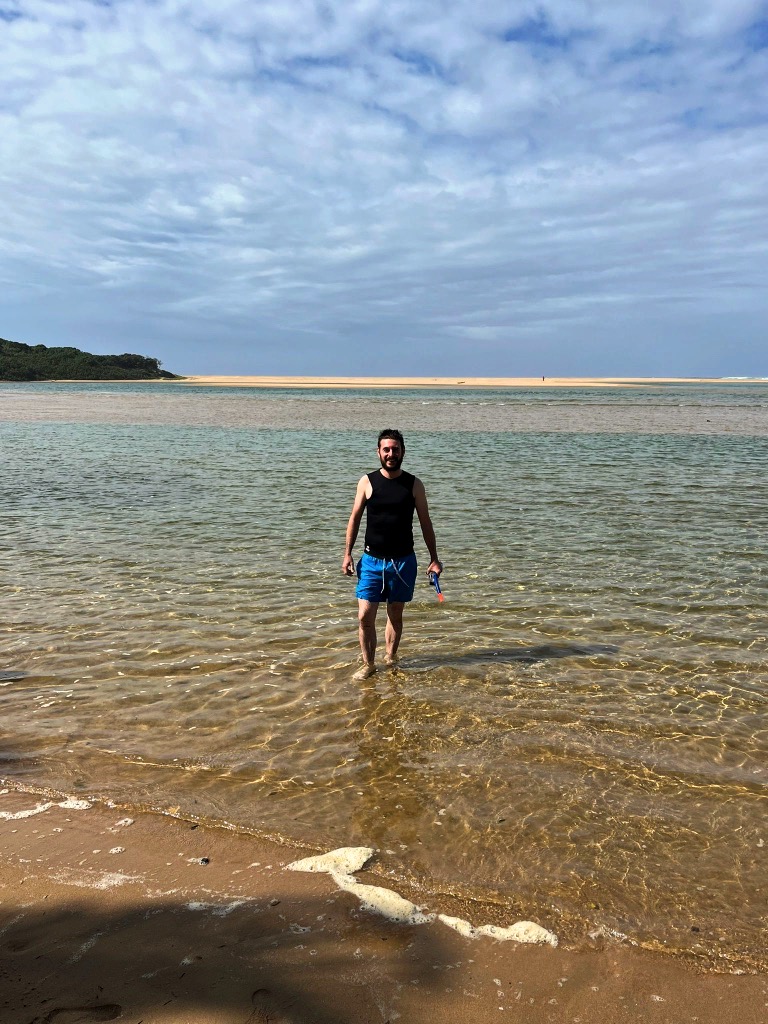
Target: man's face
x,y
390,454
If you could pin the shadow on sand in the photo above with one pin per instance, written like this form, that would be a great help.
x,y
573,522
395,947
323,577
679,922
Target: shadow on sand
x,y
161,960
511,655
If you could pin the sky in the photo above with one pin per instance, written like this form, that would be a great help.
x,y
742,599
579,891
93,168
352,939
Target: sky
x,y
389,187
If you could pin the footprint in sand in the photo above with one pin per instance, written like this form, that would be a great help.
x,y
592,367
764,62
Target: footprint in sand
x,y
266,1009
83,1014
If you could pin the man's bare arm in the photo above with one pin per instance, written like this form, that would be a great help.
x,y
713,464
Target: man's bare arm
x,y
427,530
361,498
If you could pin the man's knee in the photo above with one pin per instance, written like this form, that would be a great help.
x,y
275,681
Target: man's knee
x,y
395,612
366,614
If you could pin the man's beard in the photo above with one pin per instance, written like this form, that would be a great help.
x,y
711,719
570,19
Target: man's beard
x,y
391,462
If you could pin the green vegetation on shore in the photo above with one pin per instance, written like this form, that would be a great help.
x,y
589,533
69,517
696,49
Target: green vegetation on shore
x,y
38,362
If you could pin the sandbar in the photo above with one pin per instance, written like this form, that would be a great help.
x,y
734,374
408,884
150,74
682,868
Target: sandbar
x,y
441,382
152,918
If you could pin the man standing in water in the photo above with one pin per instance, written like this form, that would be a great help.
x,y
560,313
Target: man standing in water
x,y
387,568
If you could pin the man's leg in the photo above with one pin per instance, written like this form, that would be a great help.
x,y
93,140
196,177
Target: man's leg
x,y
366,617
394,629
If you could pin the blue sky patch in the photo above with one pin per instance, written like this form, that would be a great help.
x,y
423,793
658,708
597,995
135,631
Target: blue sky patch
x,y
538,32
318,62
420,63
694,118
643,49
757,35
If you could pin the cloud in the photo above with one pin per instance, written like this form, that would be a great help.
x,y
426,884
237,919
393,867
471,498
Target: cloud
x,y
368,186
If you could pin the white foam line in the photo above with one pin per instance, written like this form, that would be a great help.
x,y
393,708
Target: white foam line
x,y
18,815
217,909
70,805
88,879
123,823
520,931
11,923
341,864
383,901
88,944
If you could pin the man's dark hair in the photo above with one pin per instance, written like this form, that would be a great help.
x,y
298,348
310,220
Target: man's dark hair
x,y
394,435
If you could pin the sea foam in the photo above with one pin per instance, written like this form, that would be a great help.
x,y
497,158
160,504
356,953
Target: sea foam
x,y
341,864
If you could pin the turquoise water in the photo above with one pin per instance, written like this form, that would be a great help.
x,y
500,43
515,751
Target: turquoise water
x,y
578,735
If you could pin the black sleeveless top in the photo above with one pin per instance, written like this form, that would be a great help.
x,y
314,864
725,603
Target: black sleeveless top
x,y
389,522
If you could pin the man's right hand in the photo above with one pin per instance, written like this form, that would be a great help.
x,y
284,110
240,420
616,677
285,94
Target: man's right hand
x,y
348,565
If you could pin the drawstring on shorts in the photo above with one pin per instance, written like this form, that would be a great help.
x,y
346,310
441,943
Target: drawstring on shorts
x,y
384,565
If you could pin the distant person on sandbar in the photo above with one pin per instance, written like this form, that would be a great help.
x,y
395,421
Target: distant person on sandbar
x,y
387,569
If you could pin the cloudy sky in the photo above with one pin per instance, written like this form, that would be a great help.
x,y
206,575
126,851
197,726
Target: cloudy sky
x,y
388,186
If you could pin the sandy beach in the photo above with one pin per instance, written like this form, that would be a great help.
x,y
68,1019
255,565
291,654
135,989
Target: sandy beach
x,y
159,920
440,382
468,383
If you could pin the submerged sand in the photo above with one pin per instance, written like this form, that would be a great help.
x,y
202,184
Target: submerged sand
x,y
178,405
160,920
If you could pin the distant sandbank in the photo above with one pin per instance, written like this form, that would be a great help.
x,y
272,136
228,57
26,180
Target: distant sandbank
x,y
443,382
418,382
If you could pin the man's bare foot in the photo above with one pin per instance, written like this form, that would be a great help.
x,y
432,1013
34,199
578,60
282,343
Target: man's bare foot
x,y
365,672
392,661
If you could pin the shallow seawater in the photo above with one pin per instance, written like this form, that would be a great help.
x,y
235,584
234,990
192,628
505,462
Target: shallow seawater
x,y
577,736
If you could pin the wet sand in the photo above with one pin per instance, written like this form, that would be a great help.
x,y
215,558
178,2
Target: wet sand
x,y
216,407
158,920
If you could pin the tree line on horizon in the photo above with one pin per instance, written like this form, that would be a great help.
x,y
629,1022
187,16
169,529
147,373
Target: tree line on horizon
x,y
39,362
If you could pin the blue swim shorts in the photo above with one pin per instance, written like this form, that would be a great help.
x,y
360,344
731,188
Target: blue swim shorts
x,y
386,579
